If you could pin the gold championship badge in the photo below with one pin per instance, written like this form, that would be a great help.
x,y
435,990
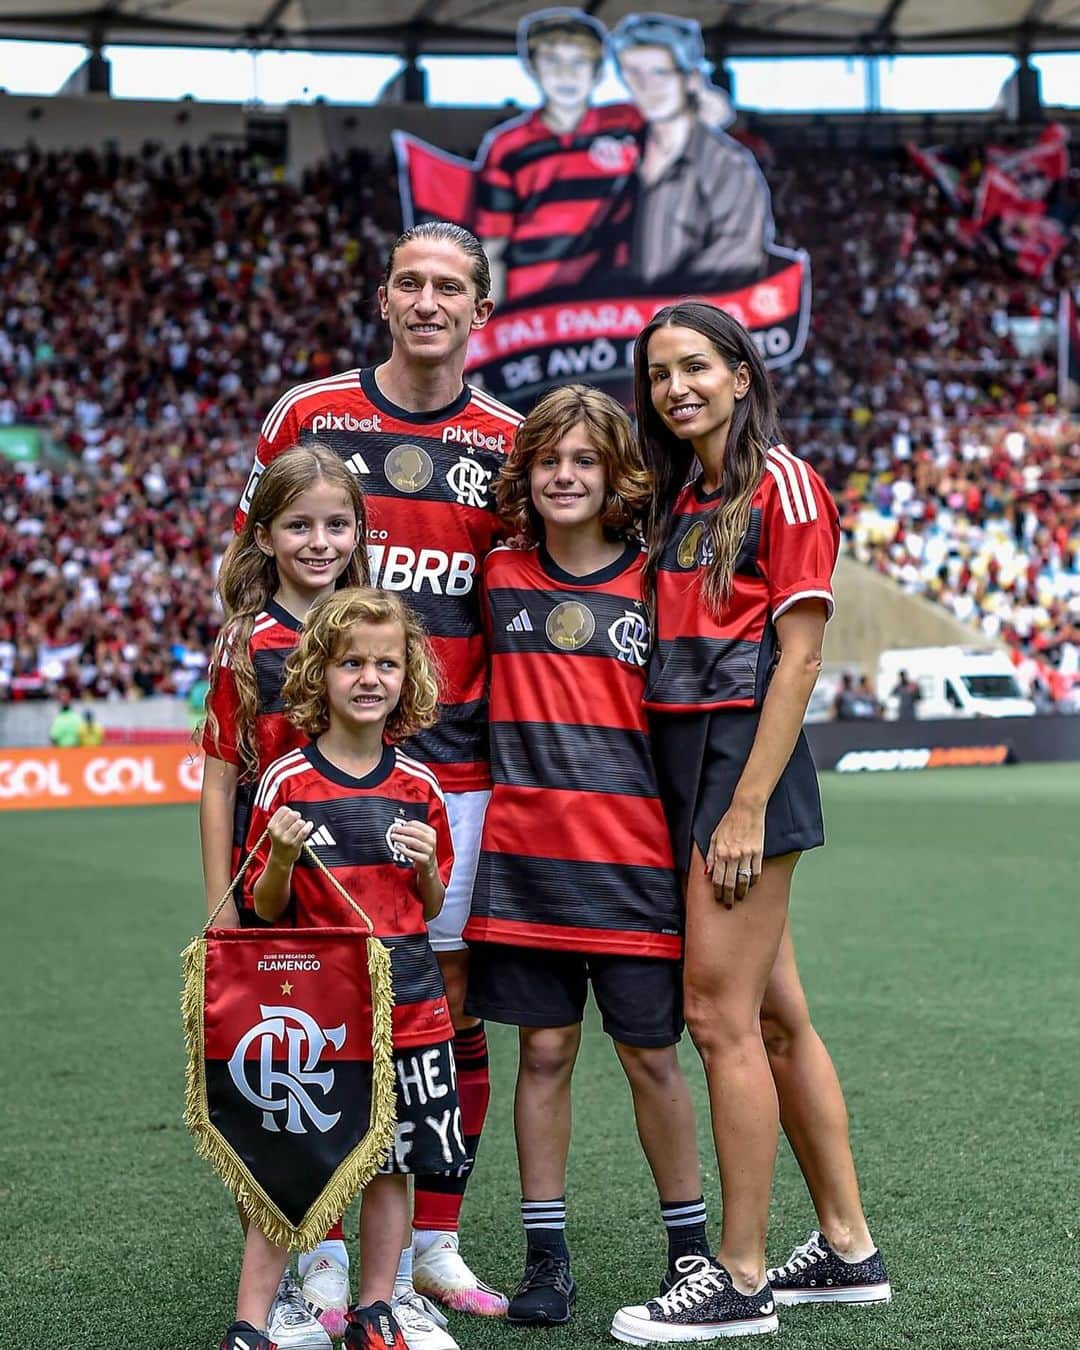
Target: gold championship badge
x,y
408,468
687,554
570,625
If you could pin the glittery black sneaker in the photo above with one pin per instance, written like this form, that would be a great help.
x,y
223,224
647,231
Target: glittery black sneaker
x,y
243,1336
546,1295
703,1306
815,1274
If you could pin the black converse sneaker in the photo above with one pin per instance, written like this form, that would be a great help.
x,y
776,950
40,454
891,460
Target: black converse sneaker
x,y
703,1306
547,1293
815,1274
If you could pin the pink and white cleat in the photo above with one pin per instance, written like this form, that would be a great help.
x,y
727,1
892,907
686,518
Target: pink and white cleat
x,y
326,1293
441,1274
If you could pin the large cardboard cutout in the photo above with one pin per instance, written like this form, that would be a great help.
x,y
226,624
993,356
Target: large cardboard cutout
x,y
596,215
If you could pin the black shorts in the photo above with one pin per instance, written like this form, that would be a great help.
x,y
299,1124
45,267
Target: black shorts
x,y
428,1137
699,760
639,997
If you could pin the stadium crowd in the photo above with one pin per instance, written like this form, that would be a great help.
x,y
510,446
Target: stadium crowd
x,y
154,308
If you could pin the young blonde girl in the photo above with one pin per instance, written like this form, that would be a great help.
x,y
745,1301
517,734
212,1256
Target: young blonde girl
x,y
361,679
576,883
304,535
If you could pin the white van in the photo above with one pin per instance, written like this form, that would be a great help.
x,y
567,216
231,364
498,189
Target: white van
x,y
953,682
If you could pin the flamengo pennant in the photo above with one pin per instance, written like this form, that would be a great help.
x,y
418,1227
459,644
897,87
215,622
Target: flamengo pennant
x,y
290,1090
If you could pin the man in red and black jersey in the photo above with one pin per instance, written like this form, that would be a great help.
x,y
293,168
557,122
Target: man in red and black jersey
x,y
427,448
552,198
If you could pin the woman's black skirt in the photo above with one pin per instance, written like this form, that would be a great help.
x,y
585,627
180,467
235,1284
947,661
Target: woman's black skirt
x,y
699,760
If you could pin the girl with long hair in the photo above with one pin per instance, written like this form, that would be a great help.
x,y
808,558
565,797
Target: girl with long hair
x,y
742,547
303,537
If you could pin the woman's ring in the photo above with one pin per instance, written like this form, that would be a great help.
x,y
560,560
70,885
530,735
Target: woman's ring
x,y
744,872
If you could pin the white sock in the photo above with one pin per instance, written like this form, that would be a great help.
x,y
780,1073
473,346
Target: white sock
x,y
403,1279
423,1239
333,1248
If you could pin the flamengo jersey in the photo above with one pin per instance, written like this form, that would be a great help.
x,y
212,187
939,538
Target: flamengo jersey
x,y
352,819
429,482
788,554
562,201
273,638
575,854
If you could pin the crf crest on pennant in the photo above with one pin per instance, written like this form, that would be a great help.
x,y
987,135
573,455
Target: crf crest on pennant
x,y
305,1041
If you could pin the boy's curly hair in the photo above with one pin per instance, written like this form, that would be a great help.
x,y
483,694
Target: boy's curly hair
x,y
324,634
629,483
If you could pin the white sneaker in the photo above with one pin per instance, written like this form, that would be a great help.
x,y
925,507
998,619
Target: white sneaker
x,y
422,1325
441,1274
326,1293
291,1325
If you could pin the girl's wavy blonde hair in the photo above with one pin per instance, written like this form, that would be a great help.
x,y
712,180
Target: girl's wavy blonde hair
x,y
324,636
629,483
248,577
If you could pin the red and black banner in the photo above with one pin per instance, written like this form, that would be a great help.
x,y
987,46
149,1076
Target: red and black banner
x,y
596,215
525,348
290,1076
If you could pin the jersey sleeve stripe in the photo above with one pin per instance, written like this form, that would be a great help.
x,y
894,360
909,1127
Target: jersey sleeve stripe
x,y
491,405
782,489
793,483
297,391
830,603
412,766
270,428
804,474
285,767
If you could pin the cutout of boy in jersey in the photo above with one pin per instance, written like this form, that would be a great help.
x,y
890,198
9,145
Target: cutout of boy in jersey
x,y
570,191
702,218
552,202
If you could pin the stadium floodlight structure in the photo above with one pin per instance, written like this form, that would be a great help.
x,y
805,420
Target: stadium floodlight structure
x,y
415,27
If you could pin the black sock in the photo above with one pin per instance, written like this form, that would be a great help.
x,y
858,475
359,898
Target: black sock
x,y
685,1224
545,1226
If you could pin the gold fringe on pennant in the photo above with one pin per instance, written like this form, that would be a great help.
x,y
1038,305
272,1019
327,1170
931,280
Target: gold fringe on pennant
x,y
354,1172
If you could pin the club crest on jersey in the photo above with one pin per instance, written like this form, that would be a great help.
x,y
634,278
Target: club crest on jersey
x,y
692,550
400,859
468,480
297,1035
630,637
408,467
570,625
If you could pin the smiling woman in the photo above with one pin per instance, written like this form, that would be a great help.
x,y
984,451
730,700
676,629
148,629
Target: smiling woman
x,y
740,565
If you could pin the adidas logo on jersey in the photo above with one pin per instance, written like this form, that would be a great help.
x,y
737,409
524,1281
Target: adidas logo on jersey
x,y
357,463
520,623
322,838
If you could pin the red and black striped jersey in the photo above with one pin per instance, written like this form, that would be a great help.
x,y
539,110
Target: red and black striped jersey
x,y
428,478
562,201
352,819
788,554
273,638
575,853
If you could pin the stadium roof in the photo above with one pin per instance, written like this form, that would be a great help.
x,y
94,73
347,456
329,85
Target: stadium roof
x,y
739,27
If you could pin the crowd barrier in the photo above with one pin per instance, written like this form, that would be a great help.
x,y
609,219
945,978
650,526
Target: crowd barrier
x,y
105,775
877,747
130,775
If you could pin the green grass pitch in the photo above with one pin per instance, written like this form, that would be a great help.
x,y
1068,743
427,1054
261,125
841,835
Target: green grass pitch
x,y
937,938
